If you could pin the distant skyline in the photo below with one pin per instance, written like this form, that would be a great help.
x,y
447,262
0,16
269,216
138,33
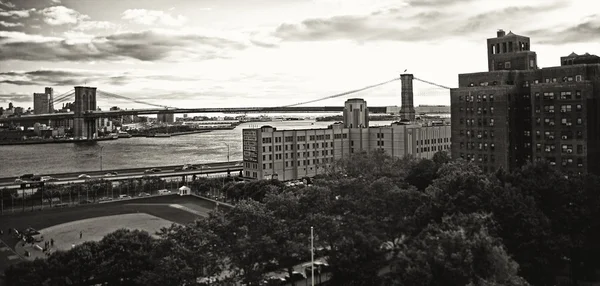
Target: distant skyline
x,y
228,53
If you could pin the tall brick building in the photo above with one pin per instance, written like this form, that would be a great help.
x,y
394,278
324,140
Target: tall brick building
x,y
517,112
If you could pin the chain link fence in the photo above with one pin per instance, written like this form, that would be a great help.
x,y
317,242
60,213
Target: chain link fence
x,y
56,195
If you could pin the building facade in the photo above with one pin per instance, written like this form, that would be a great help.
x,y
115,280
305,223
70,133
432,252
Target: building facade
x,y
41,103
269,153
517,112
165,117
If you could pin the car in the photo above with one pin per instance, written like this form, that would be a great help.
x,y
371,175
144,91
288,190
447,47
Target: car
x,y
19,180
153,170
143,194
84,176
124,197
48,179
111,174
164,192
104,199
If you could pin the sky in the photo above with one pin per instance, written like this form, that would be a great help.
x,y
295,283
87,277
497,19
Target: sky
x,y
237,53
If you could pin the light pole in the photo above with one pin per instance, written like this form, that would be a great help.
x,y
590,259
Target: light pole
x,y
227,150
101,151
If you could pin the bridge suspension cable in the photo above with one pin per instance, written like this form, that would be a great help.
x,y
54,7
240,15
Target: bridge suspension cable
x,y
64,97
131,99
343,93
432,83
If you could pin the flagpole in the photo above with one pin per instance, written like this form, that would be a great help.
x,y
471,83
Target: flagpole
x,y
312,258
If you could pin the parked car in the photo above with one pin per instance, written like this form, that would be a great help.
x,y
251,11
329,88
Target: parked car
x,y
164,192
124,197
84,176
110,174
143,194
153,170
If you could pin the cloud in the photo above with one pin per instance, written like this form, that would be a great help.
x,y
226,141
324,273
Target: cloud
x,y
48,77
93,25
16,97
7,4
144,46
585,31
55,1
61,15
17,13
10,25
152,17
426,21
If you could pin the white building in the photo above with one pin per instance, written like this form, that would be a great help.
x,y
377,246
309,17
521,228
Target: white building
x,y
293,154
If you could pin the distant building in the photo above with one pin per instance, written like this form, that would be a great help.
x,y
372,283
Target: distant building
x,y
293,154
50,93
428,109
165,117
41,103
517,112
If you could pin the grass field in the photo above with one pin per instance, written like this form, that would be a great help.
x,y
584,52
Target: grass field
x,y
97,220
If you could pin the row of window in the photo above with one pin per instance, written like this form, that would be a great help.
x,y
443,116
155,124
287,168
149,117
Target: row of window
x,y
480,121
478,98
478,157
566,121
565,148
563,108
299,163
482,146
433,141
480,110
564,161
303,138
550,135
479,134
304,146
433,148
280,156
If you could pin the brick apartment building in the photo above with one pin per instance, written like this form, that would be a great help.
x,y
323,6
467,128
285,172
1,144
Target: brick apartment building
x,y
517,112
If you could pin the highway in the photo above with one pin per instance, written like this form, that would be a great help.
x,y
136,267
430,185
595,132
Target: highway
x,y
121,174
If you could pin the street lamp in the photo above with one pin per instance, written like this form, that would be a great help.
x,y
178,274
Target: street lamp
x,y
227,150
101,151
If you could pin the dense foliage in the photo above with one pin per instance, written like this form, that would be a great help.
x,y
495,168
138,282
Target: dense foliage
x,y
377,221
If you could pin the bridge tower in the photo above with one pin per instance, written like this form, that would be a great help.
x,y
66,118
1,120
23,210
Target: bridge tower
x,y
85,100
407,110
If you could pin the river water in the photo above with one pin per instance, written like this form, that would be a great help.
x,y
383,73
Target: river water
x,y
135,152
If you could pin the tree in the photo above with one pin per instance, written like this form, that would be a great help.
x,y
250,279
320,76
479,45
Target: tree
x,y
457,251
124,255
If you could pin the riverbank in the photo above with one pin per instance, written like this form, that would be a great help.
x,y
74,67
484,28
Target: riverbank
x,y
163,135
54,141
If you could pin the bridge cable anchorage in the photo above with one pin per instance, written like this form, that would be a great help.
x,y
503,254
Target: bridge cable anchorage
x,y
109,94
432,83
342,94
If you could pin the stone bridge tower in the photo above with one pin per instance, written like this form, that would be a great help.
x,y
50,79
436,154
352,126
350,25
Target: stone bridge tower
x,y
407,110
85,101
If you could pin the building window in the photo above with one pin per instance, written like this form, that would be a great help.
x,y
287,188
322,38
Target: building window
x,y
491,97
578,94
578,78
532,64
578,107
579,121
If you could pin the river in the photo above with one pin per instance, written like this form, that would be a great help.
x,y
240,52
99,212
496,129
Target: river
x,y
135,152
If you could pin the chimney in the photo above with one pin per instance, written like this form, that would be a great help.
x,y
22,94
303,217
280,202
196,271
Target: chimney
x,y
501,33
407,110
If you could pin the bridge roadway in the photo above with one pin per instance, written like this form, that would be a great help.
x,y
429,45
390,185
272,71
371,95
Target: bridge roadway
x,y
115,113
166,171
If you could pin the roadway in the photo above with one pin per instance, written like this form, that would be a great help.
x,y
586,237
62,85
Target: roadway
x,y
230,110
133,173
